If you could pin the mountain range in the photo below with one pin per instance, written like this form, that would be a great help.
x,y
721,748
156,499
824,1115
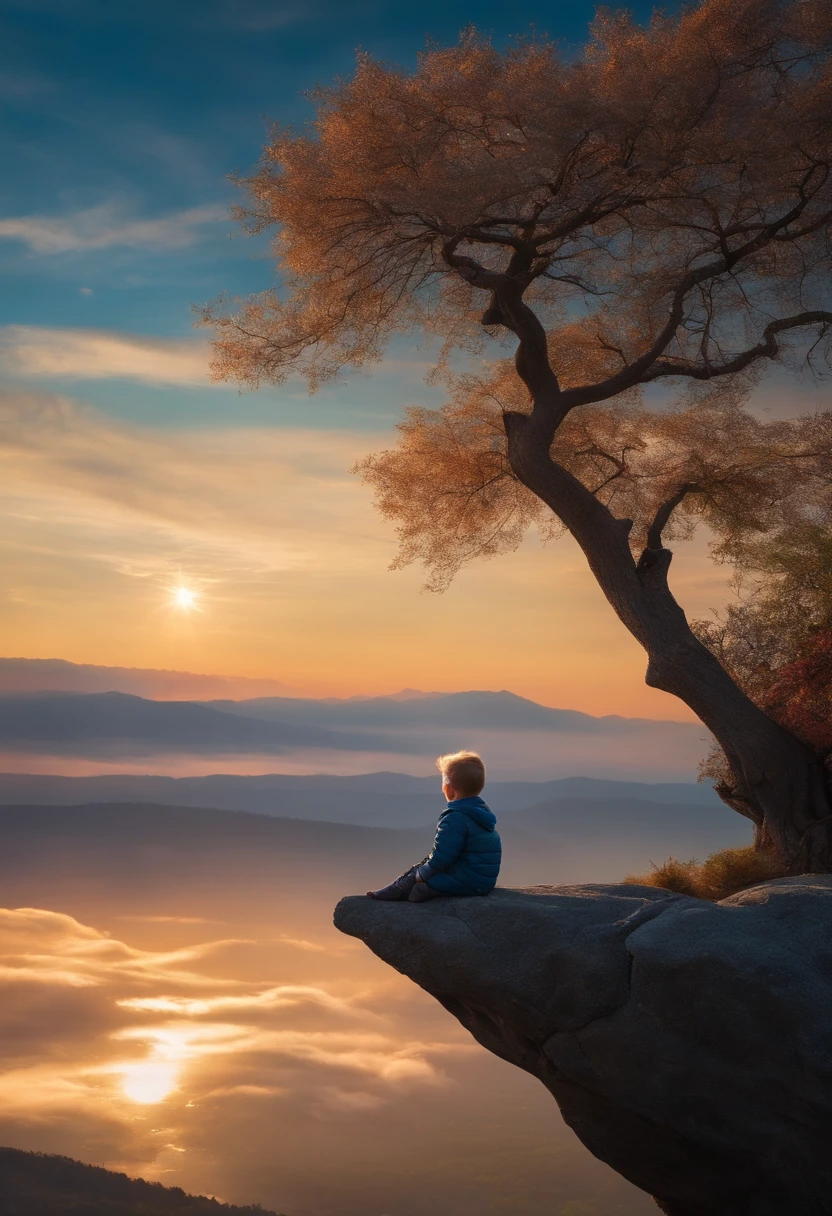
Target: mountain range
x,y
385,799
59,675
103,725
519,737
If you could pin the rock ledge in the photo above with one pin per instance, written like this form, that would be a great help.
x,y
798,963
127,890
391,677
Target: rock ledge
x,y
688,1044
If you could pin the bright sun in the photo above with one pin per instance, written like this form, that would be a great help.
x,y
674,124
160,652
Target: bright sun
x,y
150,1081
185,598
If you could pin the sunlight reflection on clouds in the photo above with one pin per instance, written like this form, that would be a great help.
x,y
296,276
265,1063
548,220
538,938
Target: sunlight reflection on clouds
x,y
309,1080
166,1059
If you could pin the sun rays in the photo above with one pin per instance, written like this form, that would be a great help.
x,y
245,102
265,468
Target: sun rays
x,y
185,598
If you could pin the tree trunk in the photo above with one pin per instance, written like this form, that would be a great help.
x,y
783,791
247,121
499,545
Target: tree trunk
x,y
780,785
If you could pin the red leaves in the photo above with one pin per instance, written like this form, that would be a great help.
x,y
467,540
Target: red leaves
x,y
801,696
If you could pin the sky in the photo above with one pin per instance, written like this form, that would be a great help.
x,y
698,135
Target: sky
x,y
125,474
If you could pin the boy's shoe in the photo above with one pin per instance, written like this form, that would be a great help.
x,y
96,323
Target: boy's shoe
x,y
400,889
422,891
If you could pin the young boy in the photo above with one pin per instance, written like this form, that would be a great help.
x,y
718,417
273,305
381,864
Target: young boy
x,y
466,854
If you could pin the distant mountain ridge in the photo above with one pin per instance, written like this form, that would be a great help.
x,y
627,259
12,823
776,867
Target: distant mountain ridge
x,y
115,723
501,710
518,736
59,675
391,800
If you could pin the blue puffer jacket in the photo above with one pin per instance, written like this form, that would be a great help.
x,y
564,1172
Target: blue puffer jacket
x,y
466,854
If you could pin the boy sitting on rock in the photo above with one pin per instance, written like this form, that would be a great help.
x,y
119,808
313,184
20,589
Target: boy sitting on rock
x,y
466,854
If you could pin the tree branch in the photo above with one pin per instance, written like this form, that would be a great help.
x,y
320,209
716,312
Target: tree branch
x,y
637,371
508,308
766,349
662,518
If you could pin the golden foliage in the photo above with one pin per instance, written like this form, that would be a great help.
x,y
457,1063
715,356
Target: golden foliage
x,y
720,875
450,489
625,166
600,183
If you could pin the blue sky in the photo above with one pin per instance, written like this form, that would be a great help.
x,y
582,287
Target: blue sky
x,y
122,121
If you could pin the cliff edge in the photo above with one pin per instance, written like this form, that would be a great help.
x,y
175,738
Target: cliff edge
x,y
688,1044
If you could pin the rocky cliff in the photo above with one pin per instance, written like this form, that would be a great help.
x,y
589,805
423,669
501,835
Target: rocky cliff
x,y
688,1044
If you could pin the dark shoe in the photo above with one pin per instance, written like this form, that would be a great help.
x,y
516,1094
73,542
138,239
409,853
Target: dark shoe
x,y
400,889
422,891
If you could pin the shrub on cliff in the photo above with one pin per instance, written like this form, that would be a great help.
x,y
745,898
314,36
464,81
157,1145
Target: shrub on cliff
x,y
720,875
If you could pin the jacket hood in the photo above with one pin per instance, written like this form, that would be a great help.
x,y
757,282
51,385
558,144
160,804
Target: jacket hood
x,y
475,808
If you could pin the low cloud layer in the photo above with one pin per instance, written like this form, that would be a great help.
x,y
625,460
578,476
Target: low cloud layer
x,y
242,1064
104,1043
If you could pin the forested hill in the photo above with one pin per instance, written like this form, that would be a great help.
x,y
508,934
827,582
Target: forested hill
x,y
35,1184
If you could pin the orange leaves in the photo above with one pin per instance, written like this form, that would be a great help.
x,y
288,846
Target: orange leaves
x,y
449,488
656,201
596,184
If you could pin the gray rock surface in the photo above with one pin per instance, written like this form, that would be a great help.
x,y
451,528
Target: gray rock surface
x,y
688,1044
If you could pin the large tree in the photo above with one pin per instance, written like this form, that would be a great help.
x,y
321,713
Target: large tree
x,y
655,211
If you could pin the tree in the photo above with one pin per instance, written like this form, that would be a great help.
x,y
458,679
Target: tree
x,y
776,640
654,212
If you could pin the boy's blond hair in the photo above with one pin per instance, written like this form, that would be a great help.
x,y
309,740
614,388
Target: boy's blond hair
x,y
465,771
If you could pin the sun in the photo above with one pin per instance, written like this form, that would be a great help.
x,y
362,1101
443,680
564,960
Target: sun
x,y
149,1082
185,598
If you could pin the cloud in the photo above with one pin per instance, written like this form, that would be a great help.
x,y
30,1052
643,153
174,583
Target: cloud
x,y
23,85
350,1102
301,944
107,226
86,354
94,1029
38,946
136,499
283,996
306,1107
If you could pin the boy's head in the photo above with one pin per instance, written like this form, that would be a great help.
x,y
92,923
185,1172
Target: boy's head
x,y
463,774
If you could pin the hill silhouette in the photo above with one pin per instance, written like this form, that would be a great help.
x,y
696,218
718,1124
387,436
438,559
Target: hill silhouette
x,y
39,1184
59,675
476,709
116,724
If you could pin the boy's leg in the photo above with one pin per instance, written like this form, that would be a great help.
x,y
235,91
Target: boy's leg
x,y
400,889
420,891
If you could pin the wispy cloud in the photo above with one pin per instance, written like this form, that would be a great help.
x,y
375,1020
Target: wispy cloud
x,y
44,947
109,225
135,498
38,352
21,85
282,996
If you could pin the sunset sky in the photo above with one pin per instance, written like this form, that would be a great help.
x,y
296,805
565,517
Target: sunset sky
x,y
125,475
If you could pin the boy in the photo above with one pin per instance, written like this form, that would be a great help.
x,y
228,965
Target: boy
x,y
466,854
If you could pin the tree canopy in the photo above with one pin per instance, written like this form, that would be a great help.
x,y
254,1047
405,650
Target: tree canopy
x,y
671,184
649,225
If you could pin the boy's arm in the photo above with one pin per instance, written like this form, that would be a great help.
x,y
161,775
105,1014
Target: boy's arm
x,y
448,845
